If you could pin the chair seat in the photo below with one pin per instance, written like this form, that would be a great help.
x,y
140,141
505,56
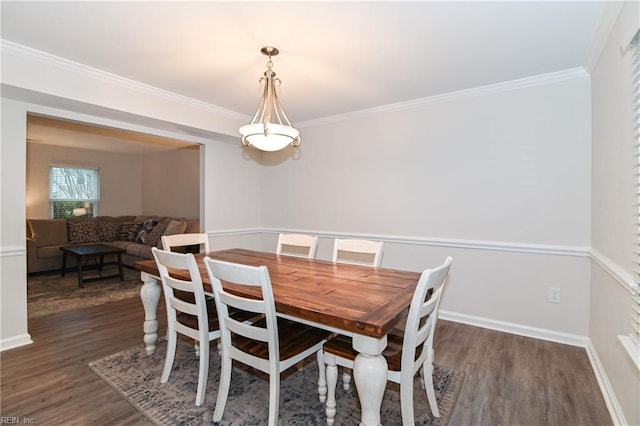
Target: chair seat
x,y
342,347
294,338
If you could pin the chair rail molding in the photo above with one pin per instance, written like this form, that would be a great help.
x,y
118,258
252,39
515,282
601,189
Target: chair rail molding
x,y
465,244
616,272
231,232
9,251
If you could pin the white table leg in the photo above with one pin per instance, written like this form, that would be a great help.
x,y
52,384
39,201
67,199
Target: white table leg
x,y
150,295
370,375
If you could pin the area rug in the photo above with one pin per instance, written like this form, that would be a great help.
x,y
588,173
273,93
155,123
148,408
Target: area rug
x,y
50,293
136,376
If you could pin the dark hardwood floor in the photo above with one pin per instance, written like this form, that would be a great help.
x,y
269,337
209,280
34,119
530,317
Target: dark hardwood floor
x,y
510,380
515,380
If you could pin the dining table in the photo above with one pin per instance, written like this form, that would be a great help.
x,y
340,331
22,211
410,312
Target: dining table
x,y
359,301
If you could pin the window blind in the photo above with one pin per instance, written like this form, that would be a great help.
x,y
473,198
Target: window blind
x,y
632,342
73,188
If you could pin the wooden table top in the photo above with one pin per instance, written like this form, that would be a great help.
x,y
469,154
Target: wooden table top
x,y
354,298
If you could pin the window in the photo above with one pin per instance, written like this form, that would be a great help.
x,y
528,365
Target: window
x,y
631,342
73,192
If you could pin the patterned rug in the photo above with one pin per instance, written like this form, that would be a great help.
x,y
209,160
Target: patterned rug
x,y
136,376
50,293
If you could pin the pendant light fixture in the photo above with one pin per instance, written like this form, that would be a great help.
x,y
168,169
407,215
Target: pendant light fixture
x,y
270,129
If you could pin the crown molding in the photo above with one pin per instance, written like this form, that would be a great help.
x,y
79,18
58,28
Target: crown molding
x,y
18,50
523,83
30,54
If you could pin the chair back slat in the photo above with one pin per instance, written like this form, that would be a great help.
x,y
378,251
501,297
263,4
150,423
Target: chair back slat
x,y
258,363
247,330
183,306
297,245
358,252
178,284
250,305
184,240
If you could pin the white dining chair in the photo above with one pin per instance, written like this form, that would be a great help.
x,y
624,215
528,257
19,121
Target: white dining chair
x,y
357,252
271,345
185,240
176,242
186,313
406,352
298,245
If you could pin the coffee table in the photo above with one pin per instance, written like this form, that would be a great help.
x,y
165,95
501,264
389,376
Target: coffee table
x,y
91,251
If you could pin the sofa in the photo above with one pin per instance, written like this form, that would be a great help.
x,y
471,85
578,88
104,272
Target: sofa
x,y
135,234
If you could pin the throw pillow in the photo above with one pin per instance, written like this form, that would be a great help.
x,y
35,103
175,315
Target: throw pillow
x,y
153,238
82,232
108,231
145,230
127,231
176,227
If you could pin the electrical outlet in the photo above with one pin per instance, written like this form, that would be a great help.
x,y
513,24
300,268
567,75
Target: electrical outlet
x,y
554,295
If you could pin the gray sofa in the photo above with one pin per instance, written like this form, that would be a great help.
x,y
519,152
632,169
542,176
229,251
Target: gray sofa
x,y
135,234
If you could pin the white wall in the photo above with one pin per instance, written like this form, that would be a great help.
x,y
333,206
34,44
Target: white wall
x,y
506,167
499,180
613,231
120,178
171,183
232,195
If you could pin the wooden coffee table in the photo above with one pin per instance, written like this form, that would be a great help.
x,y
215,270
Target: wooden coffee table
x,y
91,251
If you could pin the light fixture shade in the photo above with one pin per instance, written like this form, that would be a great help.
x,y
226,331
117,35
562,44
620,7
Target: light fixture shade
x,y
270,129
274,138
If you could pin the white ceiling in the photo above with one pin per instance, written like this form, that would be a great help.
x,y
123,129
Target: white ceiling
x,y
49,131
335,57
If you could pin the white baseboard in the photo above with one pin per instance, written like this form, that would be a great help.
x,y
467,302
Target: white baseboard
x,y
15,342
615,411
517,329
